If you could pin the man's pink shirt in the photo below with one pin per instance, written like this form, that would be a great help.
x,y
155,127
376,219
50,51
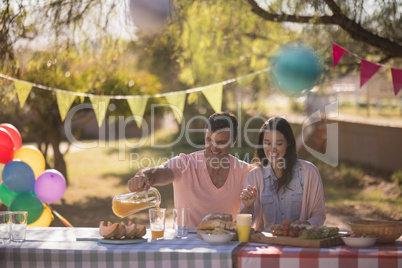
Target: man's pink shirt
x,y
193,187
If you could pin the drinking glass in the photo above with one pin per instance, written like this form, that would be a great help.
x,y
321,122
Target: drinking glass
x,y
18,225
181,217
5,227
243,222
157,218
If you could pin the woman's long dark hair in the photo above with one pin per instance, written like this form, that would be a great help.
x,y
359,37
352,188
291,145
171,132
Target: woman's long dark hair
x,y
281,125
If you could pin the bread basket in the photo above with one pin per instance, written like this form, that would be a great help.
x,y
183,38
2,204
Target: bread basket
x,y
386,231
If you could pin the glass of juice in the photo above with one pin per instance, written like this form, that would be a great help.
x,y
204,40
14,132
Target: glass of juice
x,y
157,218
127,204
243,222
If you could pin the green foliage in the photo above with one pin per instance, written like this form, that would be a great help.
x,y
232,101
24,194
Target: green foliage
x,y
397,178
218,43
351,176
344,175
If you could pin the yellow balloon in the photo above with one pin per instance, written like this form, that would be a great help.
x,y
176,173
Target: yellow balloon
x,y
1,169
45,219
33,157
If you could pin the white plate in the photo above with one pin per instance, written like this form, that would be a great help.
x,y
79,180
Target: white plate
x,y
359,242
122,241
216,239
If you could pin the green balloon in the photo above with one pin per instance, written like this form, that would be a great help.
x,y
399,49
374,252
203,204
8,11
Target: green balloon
x,y
6,195
29,203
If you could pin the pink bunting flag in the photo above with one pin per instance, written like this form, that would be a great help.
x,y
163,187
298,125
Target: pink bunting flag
x,y
337,53
367,70
396,79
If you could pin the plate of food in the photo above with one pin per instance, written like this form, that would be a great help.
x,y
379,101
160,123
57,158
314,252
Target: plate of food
x,y
122,241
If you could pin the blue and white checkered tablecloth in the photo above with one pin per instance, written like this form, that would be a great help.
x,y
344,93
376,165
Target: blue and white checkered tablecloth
x,y
79,247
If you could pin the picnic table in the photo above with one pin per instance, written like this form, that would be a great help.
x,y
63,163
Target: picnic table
x,y
82,247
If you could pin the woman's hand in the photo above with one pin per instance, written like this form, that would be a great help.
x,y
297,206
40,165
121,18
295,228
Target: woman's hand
x,y
301,222
248,196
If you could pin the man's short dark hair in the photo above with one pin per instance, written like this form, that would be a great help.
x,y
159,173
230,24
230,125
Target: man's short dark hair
x,y
222,120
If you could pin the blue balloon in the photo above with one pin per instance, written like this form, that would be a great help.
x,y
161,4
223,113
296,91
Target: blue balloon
x,y
18,176
295,70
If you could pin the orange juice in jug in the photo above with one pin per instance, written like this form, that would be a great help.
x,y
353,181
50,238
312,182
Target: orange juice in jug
x,y
126,204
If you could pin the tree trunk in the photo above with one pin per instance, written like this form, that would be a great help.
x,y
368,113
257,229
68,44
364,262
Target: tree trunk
x,y
59,162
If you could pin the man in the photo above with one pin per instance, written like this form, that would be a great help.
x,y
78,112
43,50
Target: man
x,y
206,181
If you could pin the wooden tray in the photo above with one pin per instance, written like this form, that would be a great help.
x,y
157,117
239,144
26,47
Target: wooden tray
x,y
268,238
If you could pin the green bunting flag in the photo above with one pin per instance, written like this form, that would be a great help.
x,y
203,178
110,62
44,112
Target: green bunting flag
x,y
23,90
137,107
64,101
192,97
177,102
213,95
99,105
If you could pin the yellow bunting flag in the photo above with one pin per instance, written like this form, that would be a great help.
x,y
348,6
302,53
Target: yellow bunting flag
x,y
213,95
245,81
64,101
192,97
99,105
23,90
137,107
177,102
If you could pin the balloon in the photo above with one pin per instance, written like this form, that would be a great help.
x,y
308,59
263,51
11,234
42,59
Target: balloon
x,y
6,195
15,134
150,15
45,219
1,169
18,176
50,186
295,70
33,157
6,146
29,203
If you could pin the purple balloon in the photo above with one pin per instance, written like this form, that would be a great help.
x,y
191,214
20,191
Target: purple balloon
x,y
50,186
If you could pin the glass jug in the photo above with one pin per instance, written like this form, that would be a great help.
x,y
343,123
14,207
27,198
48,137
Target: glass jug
x,y
126,204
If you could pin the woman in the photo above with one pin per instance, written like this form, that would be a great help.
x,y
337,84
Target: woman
x,y
281,186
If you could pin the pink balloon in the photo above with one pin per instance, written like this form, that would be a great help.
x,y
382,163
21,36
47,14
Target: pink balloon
x,y
15,134
6,146
50,186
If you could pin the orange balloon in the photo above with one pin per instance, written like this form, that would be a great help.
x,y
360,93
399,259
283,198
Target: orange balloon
x,y
45,219
33,157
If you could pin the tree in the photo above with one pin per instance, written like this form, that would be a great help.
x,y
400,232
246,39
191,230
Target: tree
x,y
376,24
73,59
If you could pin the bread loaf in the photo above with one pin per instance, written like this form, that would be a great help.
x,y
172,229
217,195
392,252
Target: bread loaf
x,y
218,216
216,221
212,224
209,224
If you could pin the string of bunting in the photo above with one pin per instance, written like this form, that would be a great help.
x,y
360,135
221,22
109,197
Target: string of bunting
x,y
367,68
137,103
176,99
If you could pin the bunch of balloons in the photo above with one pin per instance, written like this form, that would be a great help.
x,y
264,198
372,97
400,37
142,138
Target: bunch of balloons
x,y
26,185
